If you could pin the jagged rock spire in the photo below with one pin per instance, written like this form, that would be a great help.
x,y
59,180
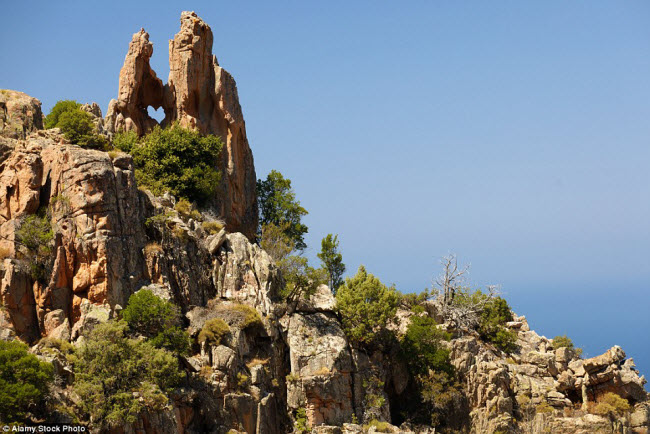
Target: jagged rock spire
x,y
200,95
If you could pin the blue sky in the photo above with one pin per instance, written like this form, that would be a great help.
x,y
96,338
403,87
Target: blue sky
x,y
515,134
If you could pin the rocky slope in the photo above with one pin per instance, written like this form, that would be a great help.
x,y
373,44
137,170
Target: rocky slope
x,y
260,378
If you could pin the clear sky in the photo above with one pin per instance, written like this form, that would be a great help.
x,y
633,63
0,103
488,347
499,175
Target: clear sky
x,y
515,134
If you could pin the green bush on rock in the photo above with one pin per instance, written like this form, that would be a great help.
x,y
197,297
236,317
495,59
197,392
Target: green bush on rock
x,y
36,236
152,317
366,307
213,331
24,381
62,106
492,325
76,125
564,341
180,161
422,349
118,377
125,140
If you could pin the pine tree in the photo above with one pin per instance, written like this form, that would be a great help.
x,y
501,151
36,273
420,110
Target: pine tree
x,y
332,261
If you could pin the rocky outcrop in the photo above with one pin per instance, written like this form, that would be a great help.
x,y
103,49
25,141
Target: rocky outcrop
x,y
96,213
505,390
139,88
200,95
20,114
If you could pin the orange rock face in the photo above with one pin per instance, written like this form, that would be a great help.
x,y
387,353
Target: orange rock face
x,y
139,88
200,95
94,208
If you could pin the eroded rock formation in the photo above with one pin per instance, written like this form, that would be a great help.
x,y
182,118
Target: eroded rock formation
x,y
200,95
20,114
139,88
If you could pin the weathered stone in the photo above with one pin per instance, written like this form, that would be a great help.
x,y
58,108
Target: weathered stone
x,y
53,320
20,114
223,358
320,358
246,273
214,242
322,300
139,88
612,356
91,316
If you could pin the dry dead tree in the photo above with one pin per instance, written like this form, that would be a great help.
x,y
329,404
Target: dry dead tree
x,y
451,279
450,283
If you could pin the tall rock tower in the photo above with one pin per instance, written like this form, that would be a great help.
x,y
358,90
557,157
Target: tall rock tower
x,y
200,95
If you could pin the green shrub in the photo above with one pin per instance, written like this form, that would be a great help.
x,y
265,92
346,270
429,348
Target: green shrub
x,y
212,227
63,106
242,380
543,407
292,378
302,424
366,307
332,261
24,381
36,236
492,319
213,331
125,140
173,339
250,317
442,399
184,207
51,345
495,315
77,126
611,405
421,348
179,161
187,210
379,426
564,341
117,378
157,319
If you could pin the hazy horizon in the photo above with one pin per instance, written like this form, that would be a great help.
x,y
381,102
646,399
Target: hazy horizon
x,y
515,135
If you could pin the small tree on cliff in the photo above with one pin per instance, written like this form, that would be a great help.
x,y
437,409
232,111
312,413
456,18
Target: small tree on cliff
x,y
366,307
278,205
62,106
75,124
300,279
332,261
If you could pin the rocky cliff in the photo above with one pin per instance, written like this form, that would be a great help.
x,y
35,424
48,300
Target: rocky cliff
x,y
111,239
201,95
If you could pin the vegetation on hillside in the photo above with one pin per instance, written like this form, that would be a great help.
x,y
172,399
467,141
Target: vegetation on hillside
x,y
156,319
564,341
24,382
76,125
281,234
180,161
35,239
366,307
118,377
278,205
